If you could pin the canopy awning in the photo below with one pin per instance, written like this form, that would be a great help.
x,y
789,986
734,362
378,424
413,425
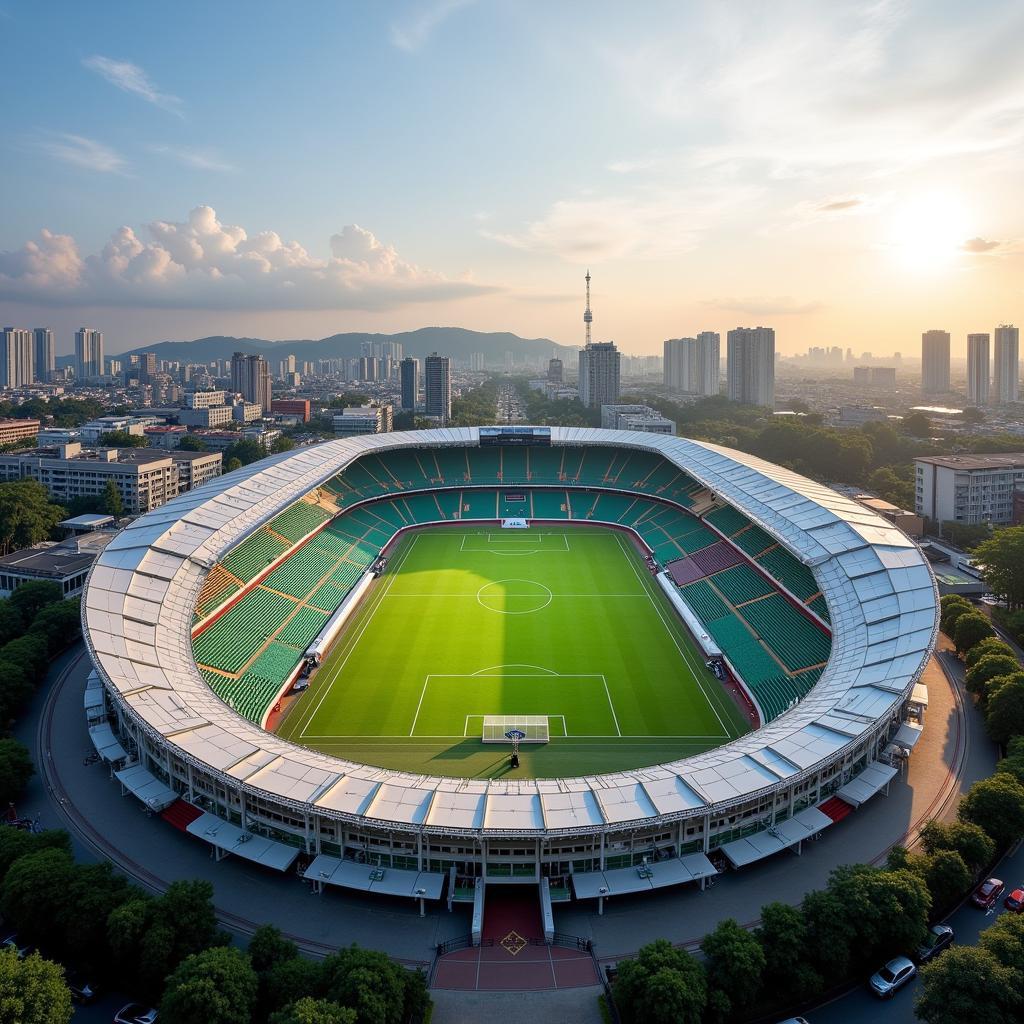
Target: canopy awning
x,y
642,878
229,838
147,787
425,885
920,695
106,743
781,836
867,784
908,735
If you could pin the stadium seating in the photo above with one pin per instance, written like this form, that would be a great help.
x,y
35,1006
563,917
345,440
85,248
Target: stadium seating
x,y
550,504
753,540
727,519
234,638
820,608
513,465
796,641
254,554
791,573
741,584
298,521
510,508
218,586
545,465
479,504
706,604
303,627
298,575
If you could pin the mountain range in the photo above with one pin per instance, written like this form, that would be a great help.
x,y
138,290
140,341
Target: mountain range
x,y
451,341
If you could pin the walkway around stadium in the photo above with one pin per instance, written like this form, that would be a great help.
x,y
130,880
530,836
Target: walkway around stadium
x,y
952,754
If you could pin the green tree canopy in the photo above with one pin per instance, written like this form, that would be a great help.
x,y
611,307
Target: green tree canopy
x,y
290,980
735,965
662,985
33,891
314,1011
971,841
268,947
15,844
1013,763
788,975
990,645
1004,939
192,443
16,769
1000,559
113,505
369,982
988,668
951,612
26,515
947,876
970,629
916,424
216,986
967,983
33,596
245,452
123,439
997,806
1004,713
32,991
231,464
282,444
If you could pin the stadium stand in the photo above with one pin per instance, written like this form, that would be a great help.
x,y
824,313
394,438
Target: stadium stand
x,y
218,586
741,584
706,604
299,521
254,554
753,540
240,632
796,641
550,505
791,573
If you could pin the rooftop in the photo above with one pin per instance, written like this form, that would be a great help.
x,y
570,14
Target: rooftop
x,y
1011,460
64,559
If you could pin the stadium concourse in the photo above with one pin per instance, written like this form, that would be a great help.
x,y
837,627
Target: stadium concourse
x,y
201,616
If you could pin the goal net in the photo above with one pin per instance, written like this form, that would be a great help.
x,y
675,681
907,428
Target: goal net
x,y
514,524
533,727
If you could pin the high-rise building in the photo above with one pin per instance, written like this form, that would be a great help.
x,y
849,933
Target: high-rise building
x,y
44,356
438,386
706,368
675,365
1007,363
977,369
410,374
15,357
476,362
88,354
750,358
147,367
600,364
883,378
935,362
862,375
250,377
556,371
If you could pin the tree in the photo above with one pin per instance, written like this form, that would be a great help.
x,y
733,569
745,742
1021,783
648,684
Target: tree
x,y
735,964
93,893
112,503
32,991
283,443
314,1011
1004,939
662,985
192,443
1004,714
969,630
947,877
788,976
971,841
34,890
245,452
268,947
290,980
967,983
15,687
231,464
951,612
33,596
917,425
1013,763
1000,560
58,625
990,645
997,806
217,986
123,439
15,844
367,981
16,769
987,668
26,515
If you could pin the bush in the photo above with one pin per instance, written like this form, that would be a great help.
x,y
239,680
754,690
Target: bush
x,y
16,769
997,806
987,668
969,630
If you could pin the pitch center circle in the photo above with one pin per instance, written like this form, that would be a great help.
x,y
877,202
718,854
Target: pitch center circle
x,y
514,597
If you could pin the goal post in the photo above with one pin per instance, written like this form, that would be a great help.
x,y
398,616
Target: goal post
x,y
533,727
514,524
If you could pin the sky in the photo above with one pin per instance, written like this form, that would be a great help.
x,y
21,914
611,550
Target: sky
x,y
847,173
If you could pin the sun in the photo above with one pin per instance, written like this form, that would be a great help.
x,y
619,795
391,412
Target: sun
x,y
928,231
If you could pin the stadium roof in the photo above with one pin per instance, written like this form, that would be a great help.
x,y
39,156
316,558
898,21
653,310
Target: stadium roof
x,y
141,595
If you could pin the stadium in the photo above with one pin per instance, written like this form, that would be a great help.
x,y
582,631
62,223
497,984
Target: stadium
x,y
315,662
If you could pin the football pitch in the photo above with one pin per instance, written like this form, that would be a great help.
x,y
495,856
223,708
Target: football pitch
x,y
565,623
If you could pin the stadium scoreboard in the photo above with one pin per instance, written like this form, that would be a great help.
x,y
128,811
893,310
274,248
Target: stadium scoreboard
x,y
490,436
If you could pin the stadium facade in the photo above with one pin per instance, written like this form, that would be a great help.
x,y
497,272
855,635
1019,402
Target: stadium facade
x,y
175,743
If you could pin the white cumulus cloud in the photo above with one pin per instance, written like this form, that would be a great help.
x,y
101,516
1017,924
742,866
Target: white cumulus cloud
x,y
202,263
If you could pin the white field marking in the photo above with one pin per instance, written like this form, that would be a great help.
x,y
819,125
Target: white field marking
x,y
679,647
517,675
514,664
357,637
565,731
433,596
362,738
502,611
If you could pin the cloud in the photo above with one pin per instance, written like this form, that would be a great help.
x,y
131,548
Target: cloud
x,y
779,305
202,263
840,205
413,33
202,160
131,78
82,152
980,245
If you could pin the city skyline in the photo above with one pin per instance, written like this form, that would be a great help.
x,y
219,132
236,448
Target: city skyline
x,y
162,186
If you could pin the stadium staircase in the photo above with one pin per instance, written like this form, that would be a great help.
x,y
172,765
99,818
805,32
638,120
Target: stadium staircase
x,y
181,814
836,808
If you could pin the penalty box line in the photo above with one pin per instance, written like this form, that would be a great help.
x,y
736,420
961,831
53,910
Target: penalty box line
x,y
520,675
533,540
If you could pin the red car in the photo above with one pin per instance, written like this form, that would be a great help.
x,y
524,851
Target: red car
x,y
987,893
1015,901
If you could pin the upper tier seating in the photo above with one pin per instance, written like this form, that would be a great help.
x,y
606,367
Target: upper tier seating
x,y
790,572
301,519
791,635
254,554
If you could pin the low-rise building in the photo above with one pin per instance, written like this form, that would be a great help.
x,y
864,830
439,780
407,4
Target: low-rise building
x,y
246,412
363,419
167,436
910,523
203,399
18,430
969,489
635,417
206,416
291,407
95,429
66,563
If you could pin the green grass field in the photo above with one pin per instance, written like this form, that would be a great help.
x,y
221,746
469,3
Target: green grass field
x,y
565,623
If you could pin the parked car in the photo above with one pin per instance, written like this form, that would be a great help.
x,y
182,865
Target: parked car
x,y
892,977
83,990
987,893
940,937
1015,901
135,1013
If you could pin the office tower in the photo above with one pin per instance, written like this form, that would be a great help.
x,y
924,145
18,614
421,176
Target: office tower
x,y
600,364
556,371
44,357
476,362
88,354
250,377
147,367
977,369
862,375
1007,363
410,374
750,358
883,378
438,386
935,362
15,357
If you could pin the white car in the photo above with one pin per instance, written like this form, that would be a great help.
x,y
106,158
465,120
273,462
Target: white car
x,y
892,977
